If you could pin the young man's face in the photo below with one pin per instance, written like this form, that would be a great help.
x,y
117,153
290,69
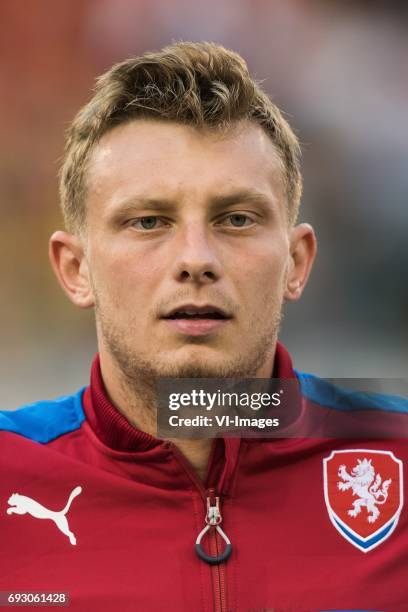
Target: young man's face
x,y
188,249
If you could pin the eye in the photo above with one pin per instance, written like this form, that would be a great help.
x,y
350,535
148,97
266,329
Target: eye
x,y
147,223
238,220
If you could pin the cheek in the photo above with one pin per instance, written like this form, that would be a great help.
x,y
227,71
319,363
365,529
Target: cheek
x,y
124,278
262,276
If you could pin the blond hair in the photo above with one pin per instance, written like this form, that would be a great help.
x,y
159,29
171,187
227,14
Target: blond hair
x,y
198,84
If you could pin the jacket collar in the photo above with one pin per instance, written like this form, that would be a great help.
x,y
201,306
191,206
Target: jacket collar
x,y
115,431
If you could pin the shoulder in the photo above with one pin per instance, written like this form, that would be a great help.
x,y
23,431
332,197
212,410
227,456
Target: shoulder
x,y
45,420
337,396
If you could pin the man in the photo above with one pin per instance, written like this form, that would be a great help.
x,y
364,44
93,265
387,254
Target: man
x,y
180,190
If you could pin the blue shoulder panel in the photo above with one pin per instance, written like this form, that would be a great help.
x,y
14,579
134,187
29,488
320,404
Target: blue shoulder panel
x,y
46,420
324,393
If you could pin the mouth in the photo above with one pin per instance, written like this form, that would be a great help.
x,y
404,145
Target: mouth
x,y
194,320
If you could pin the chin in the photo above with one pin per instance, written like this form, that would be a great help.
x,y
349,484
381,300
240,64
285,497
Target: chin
x,y
196,368
192,362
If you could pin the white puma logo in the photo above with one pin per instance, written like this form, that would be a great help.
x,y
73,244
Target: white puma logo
x,y
22,504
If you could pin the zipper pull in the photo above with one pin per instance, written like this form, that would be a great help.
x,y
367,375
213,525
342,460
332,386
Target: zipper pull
x,y
213,518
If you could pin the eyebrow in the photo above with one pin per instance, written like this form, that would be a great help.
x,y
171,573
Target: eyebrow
x,y
132,204
242,196
217,202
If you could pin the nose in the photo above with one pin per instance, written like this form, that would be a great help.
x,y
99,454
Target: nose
x,y
195,258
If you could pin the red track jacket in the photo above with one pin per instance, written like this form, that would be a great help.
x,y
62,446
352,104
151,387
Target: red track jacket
x,y
93,507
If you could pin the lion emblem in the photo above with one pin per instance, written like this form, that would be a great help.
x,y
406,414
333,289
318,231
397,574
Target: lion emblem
x,y
367,486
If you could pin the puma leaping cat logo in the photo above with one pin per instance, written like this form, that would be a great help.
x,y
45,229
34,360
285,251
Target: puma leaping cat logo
x,y
20,504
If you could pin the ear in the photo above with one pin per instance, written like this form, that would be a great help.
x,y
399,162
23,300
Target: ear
x,y
69,263
303,248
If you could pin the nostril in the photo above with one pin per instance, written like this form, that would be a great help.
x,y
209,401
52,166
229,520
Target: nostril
x,y
200,275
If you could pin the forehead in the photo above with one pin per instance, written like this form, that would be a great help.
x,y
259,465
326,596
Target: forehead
x,y
150,158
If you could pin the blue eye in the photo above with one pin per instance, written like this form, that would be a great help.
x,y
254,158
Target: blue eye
x,y
148,222
238,220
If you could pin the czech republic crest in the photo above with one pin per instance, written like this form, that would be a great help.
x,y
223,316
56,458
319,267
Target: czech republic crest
x,y
363,491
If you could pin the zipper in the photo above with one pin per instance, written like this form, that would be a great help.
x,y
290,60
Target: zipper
x,y
218,571
211,499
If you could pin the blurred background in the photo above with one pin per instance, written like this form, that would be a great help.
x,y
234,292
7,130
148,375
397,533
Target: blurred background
x,y
338,69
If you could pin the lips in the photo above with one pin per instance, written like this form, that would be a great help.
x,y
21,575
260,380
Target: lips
x,y
193,311
195,320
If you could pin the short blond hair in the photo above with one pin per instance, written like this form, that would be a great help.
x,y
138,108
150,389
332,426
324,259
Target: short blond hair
x,y
197,84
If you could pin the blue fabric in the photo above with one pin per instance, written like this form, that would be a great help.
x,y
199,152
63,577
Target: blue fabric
x,y
324,393
366,544
46,420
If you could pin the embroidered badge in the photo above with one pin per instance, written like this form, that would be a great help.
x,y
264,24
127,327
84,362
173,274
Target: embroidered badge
x,y
363,490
